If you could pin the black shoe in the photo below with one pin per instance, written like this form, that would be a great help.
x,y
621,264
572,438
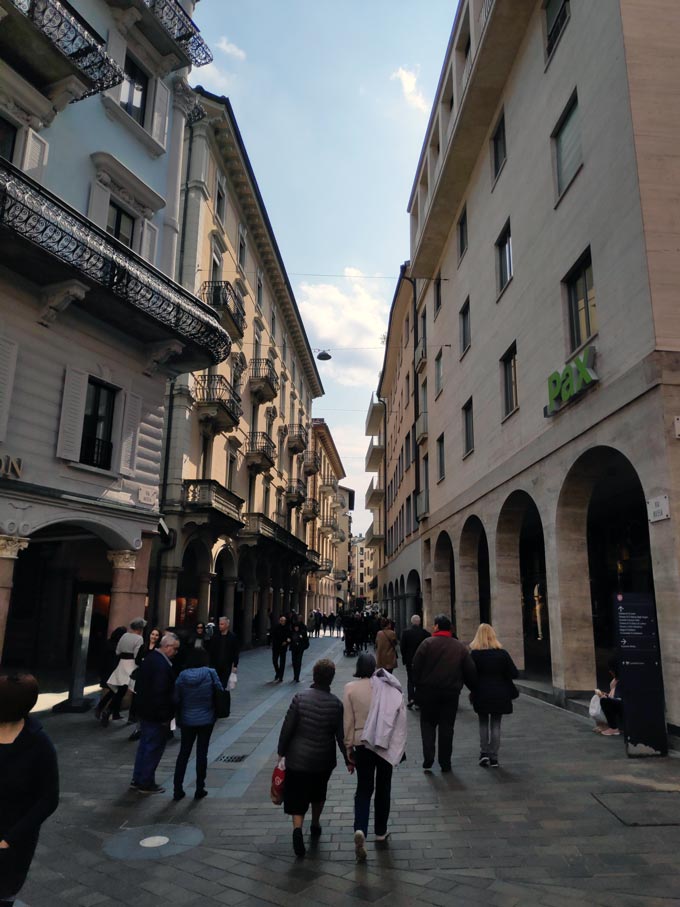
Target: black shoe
x,y
484,760
150,789
315,831
427,766
298,843
409,705
200,794
134,785
104,719
493,762
445,768
135,735
179,795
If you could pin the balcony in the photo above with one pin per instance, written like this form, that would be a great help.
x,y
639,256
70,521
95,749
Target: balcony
x,y
374,417
221,296
329,525
296,493
375,535
340,576
338,501
375,495
310,510
55,50
217,403
325,565
169,29
422,505
264,382
55,247
313,559
298,438
339,536
329,484
375,455
211,502
421,428
312,463
260,530
260,453
421,354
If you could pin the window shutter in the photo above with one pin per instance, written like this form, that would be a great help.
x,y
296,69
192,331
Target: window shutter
x,y
8,363
130,433
98,208
72,414
159,126
115,48
34,159
147,246
568,148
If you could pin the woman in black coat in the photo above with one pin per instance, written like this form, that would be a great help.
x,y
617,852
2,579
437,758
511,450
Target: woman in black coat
x,y
29,781
494,692
299,643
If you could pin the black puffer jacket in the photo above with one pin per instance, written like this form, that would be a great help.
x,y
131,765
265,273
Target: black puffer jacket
x,y
311,728
495,672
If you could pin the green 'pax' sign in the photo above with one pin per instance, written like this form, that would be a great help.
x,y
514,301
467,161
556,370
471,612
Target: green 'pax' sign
x,y
576,378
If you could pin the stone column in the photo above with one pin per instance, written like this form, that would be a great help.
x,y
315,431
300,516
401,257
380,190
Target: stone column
x,y
229,597
250,596
182,102
204,592
262,621
125,604
167,596
10,546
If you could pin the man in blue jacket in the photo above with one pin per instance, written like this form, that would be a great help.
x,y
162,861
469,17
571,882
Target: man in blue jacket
x,y
154,688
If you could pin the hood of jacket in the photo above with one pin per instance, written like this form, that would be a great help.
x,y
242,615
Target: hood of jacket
x,y
194,677
389,679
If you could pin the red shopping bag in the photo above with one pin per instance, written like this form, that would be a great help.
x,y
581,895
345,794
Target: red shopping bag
x,y
278,781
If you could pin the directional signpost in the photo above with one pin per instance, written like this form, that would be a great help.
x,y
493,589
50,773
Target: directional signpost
x,y
640,675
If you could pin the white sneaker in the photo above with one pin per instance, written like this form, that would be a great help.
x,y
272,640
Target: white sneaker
x,y
360,846
382,837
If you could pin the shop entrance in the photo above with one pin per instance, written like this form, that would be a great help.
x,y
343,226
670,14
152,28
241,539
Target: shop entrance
x,y
475,579
444,578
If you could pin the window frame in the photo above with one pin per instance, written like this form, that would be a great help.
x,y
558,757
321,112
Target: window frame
x,y
220,194
121,211
127,106
503,247
242,249
441,458
437,293
468,414
510,396
553,36
108,437
497,163
570,109
578,271
464,321
462,233
438,373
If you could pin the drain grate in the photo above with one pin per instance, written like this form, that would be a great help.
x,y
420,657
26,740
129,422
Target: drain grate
x,y
225,758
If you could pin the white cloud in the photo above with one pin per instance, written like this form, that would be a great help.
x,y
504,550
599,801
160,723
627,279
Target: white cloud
x,y
412,94
230,49
213,78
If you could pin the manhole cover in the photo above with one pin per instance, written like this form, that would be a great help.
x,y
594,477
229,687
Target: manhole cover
x,y
643,807
225,758
152,842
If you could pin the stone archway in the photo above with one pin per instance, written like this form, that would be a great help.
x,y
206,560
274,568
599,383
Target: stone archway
x,y
444,580
223,590
414,599
390,600
193,584
475,580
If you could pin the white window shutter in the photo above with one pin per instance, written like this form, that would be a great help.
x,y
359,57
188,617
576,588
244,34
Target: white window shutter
x,y
34,158
147,248
115,48
98,208
8,364
159,126
130,433
72,414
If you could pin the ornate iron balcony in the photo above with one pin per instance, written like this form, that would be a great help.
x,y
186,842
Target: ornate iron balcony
x,y
329,484
180,27
259,525
297,438
213,499
313,557
264,382
75,40
30,212
329,525
260,451
221,296
216,392
296,493
312,463
310,509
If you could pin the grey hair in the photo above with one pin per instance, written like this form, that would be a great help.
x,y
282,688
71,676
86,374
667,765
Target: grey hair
x,y
223,617
168,639
415,620
138,623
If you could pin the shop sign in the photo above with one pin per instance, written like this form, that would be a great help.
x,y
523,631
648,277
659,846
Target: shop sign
x,y
11,467
573,381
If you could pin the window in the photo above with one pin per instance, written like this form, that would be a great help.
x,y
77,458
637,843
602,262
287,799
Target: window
x,y
556,17
96,446
582,303
498,146
215,265
509,377
120,224
231,470
241,247
282,399
407,451
408,387
408,515
220,200
134,91
8,136
462,234
407,330
260,290
437,293
468,428
504,256
266,498
441,458
464,327
273,325
567,139
438,377
284,350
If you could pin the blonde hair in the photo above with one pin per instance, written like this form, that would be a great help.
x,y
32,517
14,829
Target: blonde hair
x,y
485,638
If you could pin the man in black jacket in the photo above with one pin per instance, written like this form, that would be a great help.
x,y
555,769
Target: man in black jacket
x,y
410,640
224,651
280,643
154,688
440,667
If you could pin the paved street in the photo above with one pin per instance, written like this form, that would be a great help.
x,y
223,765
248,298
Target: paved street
x,y
568,819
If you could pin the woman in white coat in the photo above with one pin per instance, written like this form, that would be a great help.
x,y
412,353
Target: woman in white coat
x,y
127,649
375,738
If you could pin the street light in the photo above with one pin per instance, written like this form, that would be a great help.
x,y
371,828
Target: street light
x,y
323,355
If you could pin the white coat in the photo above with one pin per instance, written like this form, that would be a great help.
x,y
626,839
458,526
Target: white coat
x,y
128,646
385,728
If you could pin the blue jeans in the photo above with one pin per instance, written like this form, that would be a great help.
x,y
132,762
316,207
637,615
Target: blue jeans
x,y
154,735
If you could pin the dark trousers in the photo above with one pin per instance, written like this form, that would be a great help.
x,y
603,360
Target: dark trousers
x,y
117,701
279,660
201,735
373,773
296,658
410,685
438,714
154,735
613,712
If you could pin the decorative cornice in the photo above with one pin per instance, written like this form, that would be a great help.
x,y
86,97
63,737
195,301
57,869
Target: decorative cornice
x,y
159,353
125,184
11,545
183,98
122,560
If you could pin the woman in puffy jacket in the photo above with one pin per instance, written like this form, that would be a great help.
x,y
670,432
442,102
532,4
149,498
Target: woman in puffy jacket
x,y
492,696
195,715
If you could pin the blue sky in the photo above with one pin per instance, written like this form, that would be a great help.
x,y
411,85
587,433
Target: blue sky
x,y
332,99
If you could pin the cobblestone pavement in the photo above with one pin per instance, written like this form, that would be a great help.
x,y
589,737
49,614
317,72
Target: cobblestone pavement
x,y
567,819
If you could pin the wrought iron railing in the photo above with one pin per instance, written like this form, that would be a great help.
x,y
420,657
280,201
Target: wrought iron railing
x,y
219,293
329,523
328,480
182,29
258,524
312,461
298,432
211,495
96,452
82,45
297,488
326,565
313,557
263,368
40,217
259,442
310,507
216,389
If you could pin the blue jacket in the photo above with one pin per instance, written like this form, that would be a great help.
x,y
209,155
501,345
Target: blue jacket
x,y
195,697
153,688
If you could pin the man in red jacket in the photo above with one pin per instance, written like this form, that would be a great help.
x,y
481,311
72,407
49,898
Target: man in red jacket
x,y
441,665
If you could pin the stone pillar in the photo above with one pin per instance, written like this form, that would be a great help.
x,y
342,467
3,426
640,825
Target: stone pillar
x,y
250,597
182,102
262,619
126,604
10,546
204,593
167,596
229,597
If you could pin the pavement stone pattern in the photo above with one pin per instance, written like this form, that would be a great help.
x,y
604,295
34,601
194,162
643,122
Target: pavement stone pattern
x,y
554,825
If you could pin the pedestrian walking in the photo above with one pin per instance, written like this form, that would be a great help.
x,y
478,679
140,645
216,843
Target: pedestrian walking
x,y
280,643
317,623
200,639
29,781
149,646
312,729
107,664
440,667
410,640
494,692
194,697
375,738
386,647
224,651
155,705
127,650
299,643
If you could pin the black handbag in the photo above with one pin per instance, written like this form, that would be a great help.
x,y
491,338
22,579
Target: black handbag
x,y
222,699
514,694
